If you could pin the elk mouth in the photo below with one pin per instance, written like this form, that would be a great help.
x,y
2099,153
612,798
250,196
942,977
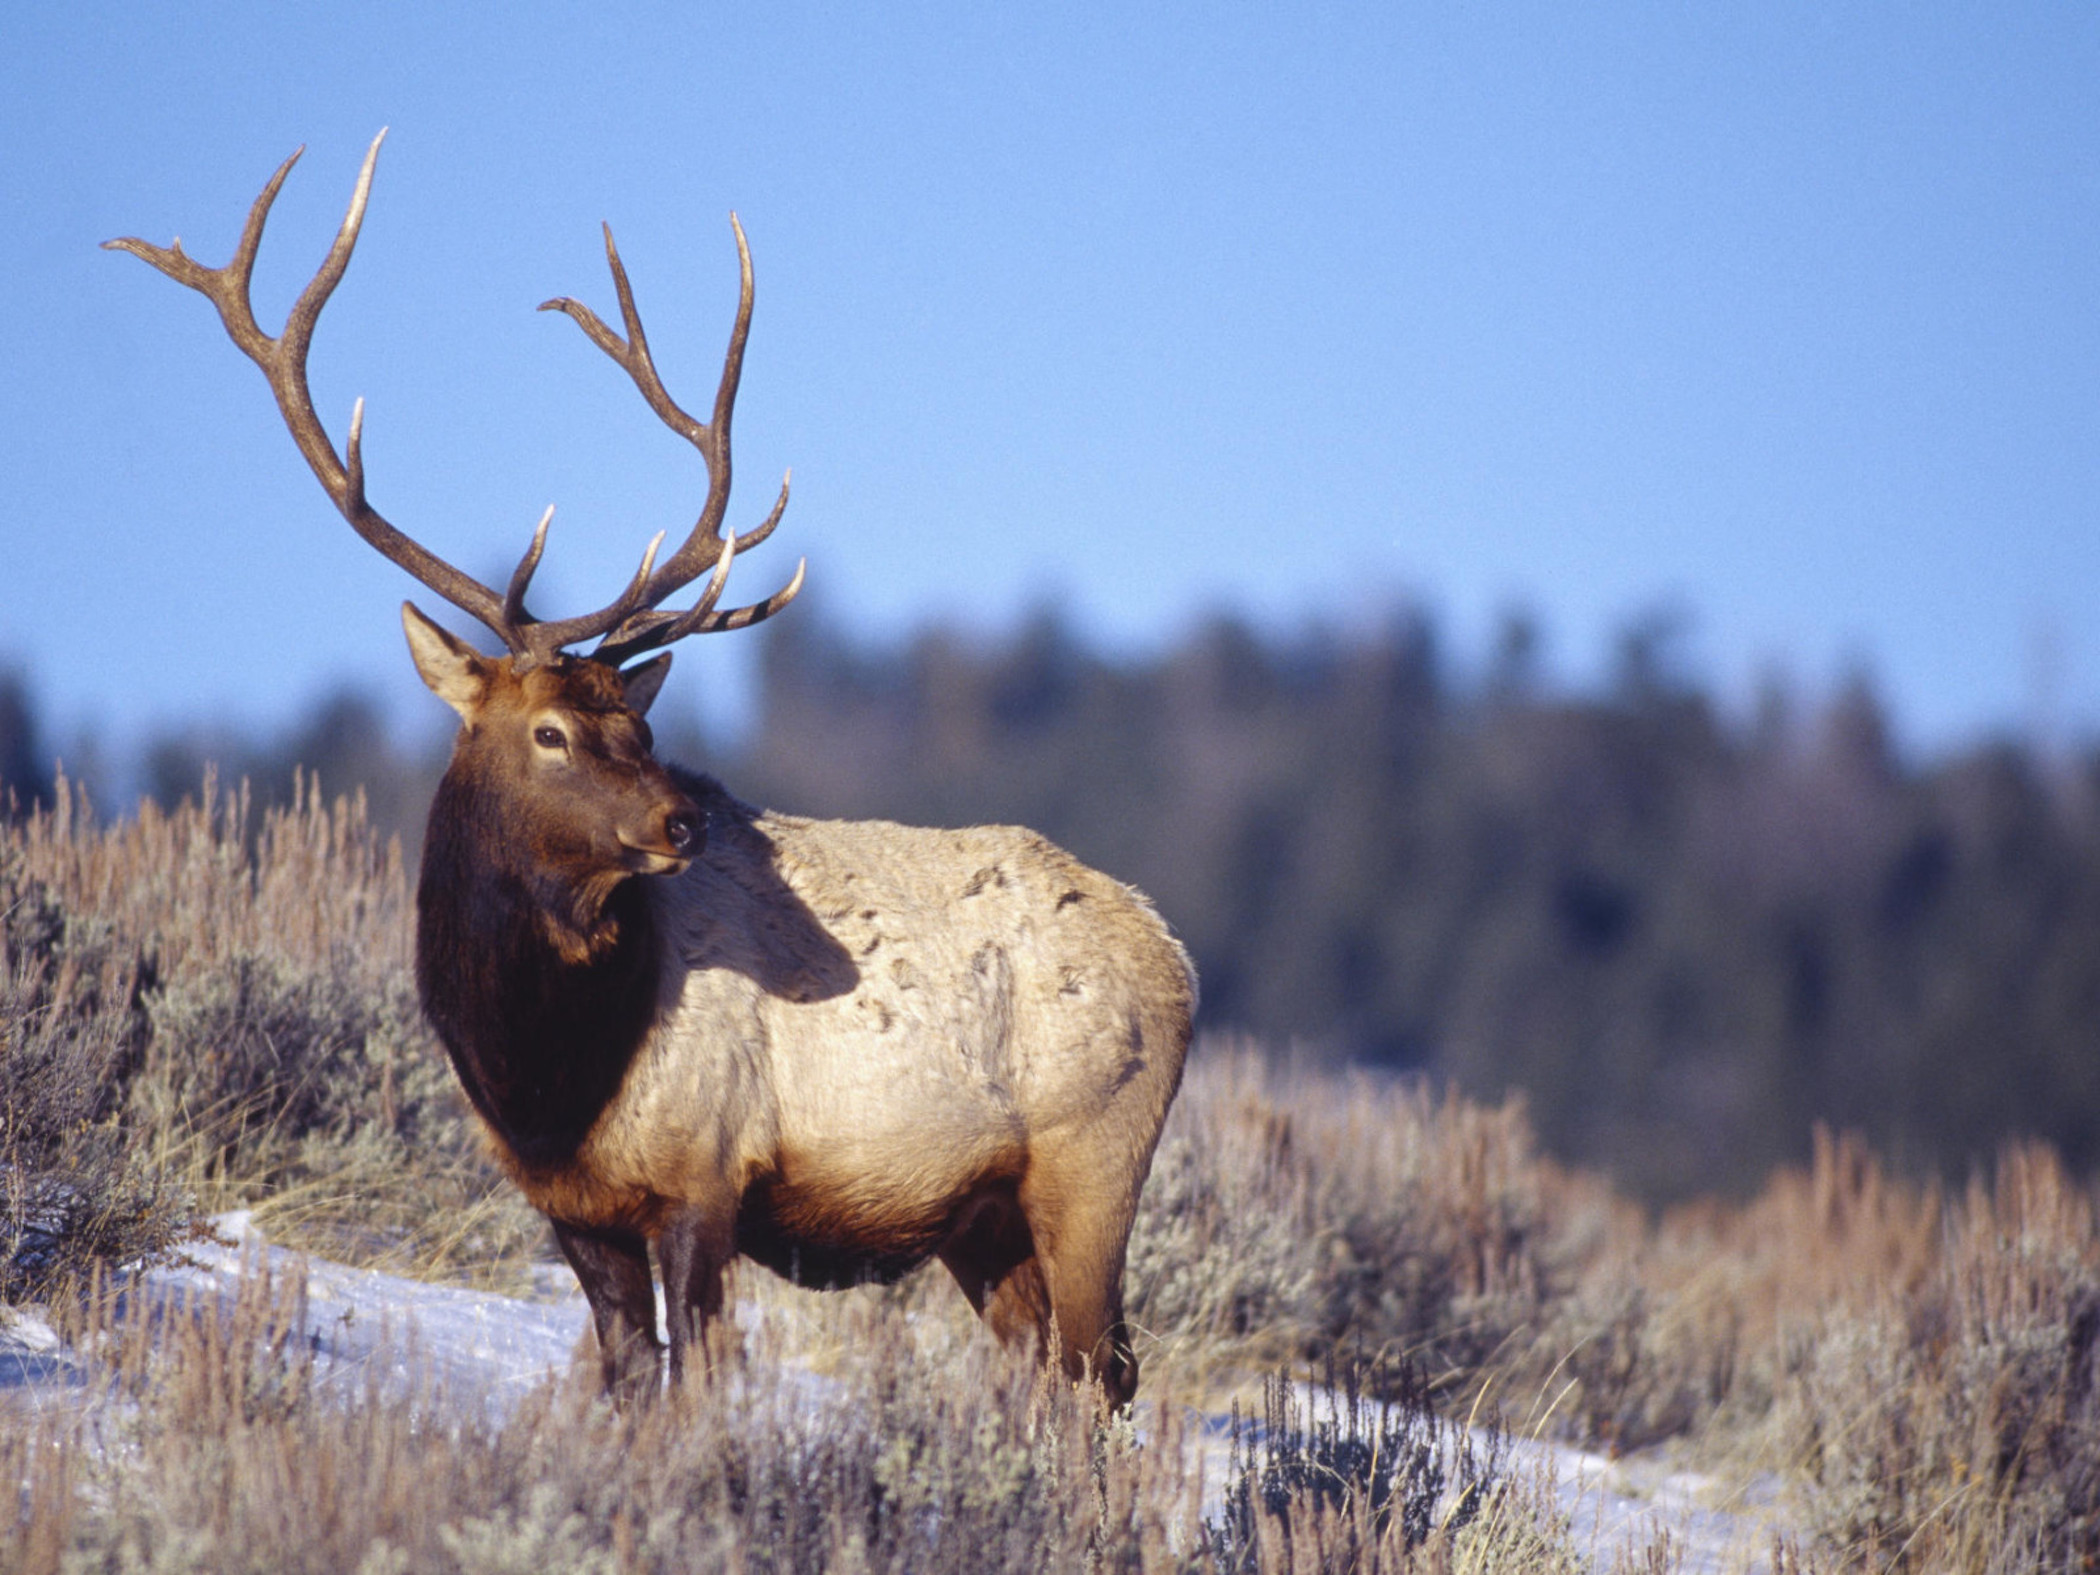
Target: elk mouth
x,y
645,859
653,861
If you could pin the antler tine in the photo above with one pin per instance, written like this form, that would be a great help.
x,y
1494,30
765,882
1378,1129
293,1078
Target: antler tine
x,y
283,364
751,538
716,582
758,612
521,577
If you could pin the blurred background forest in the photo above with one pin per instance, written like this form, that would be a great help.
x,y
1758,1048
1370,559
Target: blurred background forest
x,y
1685,935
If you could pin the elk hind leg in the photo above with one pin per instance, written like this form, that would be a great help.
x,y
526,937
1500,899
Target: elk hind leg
x,y
613,1268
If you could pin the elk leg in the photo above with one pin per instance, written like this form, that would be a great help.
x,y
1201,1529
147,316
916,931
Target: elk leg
x,y
693,1251
613,1268
1082,1239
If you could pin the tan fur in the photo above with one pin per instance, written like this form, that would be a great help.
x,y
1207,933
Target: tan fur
x,y
883,1017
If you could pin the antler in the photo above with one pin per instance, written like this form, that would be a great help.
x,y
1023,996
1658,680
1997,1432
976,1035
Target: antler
x,y
705,547
631,621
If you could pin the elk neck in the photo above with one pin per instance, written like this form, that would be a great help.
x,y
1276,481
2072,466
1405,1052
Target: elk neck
x,y
541,984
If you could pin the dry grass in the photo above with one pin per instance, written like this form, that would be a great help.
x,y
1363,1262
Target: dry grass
x,y
233,989
1922,1371
226,1449
210,1009
1949,1414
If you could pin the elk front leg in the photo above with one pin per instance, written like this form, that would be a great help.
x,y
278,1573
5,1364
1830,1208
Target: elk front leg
x,y
613,1267
693,1251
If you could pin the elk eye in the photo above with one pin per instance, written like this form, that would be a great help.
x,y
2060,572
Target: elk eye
x,y
549,738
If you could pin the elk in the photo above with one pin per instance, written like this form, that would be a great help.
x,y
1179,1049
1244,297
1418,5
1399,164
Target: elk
x,y
839,1048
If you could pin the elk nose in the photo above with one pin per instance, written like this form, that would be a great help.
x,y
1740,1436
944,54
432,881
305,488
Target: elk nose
x,y
686,831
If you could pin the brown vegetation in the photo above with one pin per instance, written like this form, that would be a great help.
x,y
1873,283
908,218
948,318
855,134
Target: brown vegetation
x,y
211,1008
207,1009
235,1454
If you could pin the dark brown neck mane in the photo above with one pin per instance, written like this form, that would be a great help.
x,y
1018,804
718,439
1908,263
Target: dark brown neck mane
x,y
540,993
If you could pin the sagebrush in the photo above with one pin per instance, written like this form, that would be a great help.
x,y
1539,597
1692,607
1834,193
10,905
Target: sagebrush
x,y
209,1009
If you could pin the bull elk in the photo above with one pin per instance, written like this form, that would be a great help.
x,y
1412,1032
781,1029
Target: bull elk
x,y
837,1048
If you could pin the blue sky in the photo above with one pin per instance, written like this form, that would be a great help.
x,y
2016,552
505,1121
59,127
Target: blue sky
x,y
1786,316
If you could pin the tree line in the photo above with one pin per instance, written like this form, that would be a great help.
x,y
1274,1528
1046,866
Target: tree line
x,y
1686,937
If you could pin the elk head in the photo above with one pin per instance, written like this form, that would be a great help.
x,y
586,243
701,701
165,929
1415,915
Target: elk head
x,y
560,759
558,739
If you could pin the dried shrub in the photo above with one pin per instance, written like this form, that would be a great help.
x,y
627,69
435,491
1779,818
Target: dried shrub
x,y
214,1004
1924,1369
1955,1421
1298,1213
73,1192
1227,1252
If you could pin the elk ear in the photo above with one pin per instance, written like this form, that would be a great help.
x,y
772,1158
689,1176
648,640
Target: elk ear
x,y
642,683
454,670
